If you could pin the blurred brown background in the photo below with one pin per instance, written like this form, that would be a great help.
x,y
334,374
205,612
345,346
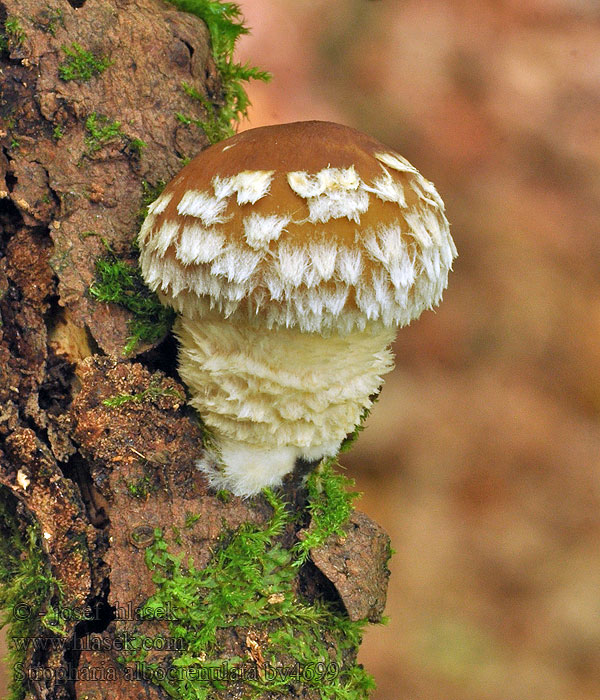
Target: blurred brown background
x,y
482,457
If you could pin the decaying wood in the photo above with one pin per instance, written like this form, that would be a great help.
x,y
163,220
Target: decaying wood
x,y
66,456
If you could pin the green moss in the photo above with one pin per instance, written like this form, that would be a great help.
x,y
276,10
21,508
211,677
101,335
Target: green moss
x,y
215,127
223,495
50,19
81,65
141,488
101,130
191,91
225,25
191,518
13,34
136,146
121,283
26,585
150,394
250,584
330,505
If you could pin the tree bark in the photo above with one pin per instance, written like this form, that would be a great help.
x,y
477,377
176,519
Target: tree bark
x,y
97,479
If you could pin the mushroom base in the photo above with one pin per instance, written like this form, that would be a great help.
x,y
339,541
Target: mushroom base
x,y
272,396
246,469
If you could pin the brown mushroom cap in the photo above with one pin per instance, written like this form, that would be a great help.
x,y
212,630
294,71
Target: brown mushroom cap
x,y
311,225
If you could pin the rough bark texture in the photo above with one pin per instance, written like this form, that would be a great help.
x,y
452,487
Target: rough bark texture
x,y
355,563
76,465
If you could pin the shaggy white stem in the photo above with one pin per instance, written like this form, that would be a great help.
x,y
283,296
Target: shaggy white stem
x,y
271,396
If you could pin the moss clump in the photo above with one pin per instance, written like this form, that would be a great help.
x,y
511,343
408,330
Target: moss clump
x,y
121,283
330,504
141,488
250,585
101,130
153,392
223,495
81,65
13,34
136,146
225,25
191,519
49,20
26,585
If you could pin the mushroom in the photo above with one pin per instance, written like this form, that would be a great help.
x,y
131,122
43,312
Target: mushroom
x,y
291,254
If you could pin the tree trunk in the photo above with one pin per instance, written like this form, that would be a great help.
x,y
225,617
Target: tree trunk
x,y
100,104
